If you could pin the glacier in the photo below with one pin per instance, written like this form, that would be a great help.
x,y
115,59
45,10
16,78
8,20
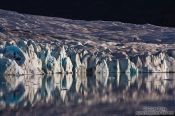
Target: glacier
x,y
29,57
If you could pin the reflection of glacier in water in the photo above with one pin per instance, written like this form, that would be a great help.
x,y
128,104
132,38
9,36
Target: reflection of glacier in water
x,y
27,91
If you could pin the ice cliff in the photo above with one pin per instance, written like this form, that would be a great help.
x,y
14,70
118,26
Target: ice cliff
x,y
30,57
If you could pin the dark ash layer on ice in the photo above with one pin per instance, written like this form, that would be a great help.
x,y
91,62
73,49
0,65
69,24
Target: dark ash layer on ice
x,y
29,57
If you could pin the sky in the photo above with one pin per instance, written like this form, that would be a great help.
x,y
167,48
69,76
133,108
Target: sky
x,y
158,12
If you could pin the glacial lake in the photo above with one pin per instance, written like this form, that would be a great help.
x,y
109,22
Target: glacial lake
x,y
78,94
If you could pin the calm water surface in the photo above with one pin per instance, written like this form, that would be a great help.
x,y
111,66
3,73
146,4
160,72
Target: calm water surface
x,y
79,94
